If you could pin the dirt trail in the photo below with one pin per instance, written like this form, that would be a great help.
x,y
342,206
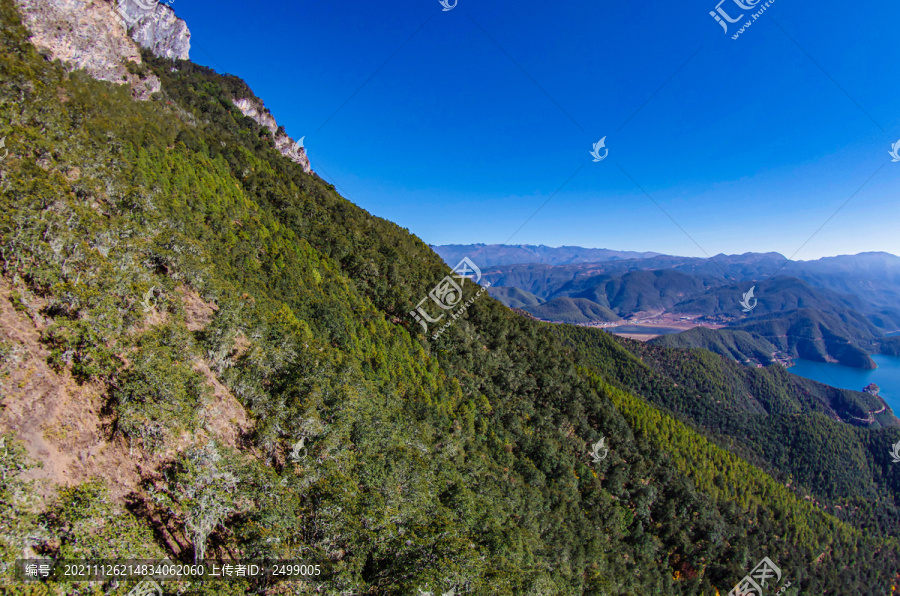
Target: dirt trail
x,y
61,422
58,420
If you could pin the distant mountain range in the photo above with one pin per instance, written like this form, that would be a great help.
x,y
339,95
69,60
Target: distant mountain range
x,y
491,255
835,309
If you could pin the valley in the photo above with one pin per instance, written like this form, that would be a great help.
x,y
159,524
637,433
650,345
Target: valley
x,y
799,309
647,326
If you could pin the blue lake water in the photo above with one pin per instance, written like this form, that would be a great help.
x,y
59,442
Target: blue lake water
x,y
886,376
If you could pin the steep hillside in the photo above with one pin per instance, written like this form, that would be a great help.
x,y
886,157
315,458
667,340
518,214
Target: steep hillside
x,y
816,335
573,311
739,345
514,297
890,346
836,446
774,295
220,350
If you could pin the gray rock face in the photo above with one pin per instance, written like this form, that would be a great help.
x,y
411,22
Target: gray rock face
x,y
91,34
154,26
82,34
102,36
283,143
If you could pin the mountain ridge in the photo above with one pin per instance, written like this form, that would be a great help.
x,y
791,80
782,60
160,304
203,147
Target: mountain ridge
x,y
489,255
856,303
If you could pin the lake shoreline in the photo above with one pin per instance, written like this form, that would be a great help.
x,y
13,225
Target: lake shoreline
x,y
886,376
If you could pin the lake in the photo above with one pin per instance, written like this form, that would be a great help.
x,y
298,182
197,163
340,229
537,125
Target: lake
x,y
886,376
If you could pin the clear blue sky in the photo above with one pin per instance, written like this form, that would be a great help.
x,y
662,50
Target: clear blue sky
x,y
459,125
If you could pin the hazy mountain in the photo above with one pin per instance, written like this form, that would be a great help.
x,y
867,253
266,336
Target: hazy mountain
x,y
856,297
514,297
572,310
490,255
874,277
549,281
772,296
637,291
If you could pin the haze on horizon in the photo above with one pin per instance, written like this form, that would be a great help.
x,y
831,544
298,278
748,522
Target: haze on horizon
x,y
618,249
475,124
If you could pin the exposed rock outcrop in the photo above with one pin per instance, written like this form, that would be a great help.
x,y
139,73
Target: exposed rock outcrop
x,y
153,25
83,35
253,108
91,35
103,36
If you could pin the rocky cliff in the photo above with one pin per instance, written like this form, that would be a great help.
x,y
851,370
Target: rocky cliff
x,y
89,35
291,149
103,36
154,26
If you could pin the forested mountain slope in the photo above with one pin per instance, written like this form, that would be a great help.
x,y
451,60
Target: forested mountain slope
x,y
239,336
738,345
816,335
825,441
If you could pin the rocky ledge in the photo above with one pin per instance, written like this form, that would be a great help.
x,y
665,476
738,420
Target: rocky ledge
x,y
156,28
94,35
103,36
253,108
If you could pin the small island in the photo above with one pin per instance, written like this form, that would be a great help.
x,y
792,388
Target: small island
x,y
872,388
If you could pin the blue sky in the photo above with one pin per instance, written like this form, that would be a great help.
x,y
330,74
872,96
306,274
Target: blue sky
x,y
459,125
